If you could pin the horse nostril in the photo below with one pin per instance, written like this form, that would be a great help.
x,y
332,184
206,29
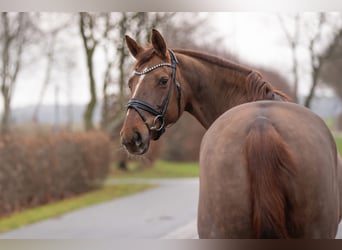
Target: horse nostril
x,y
137,139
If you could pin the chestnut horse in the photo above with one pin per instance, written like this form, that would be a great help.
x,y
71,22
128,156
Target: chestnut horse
x,y
269,168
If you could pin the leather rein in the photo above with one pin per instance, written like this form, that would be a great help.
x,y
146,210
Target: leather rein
x,y
159,115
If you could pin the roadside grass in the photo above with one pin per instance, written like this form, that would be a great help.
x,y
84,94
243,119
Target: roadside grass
x,y
329,122
160,169
338,140
106,193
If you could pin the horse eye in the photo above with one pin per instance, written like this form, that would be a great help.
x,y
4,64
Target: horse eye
x,y
163,81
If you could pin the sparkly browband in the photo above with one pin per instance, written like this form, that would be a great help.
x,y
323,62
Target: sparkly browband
x,y
145,71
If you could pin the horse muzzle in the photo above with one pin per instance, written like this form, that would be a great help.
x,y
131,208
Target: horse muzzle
x,y
136,142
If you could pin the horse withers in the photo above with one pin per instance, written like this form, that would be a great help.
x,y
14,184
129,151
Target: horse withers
x,y
268,168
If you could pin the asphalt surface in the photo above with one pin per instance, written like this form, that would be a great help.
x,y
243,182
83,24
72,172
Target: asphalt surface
x,y
339,232
168,211
162,212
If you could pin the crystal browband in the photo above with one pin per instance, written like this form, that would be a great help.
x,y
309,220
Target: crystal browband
x,y
145,71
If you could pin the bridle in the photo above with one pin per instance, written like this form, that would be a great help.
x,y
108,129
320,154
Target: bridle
x,y
159,115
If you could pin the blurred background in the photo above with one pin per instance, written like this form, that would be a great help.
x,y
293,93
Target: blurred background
x,y
63,80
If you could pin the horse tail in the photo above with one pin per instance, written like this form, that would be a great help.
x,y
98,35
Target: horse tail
x,y
270,167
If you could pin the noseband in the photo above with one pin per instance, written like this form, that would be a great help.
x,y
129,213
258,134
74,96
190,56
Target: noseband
x,y
159,115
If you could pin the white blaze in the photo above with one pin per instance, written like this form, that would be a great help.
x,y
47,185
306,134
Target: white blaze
x,y
138,85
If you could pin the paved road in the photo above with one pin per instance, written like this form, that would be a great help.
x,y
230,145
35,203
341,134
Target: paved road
x,y
167,212
339,232
161,212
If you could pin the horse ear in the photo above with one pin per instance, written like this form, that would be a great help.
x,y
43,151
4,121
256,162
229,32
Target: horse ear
x,y
133,47
158,43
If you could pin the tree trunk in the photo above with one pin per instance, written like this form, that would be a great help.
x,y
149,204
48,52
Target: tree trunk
x,y
88,114
10,62
295,72
7,39
89,46
50,58
105,104
122,58
311,95
5,115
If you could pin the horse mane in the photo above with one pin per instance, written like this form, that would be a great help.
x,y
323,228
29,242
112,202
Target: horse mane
x,y
147,55
215,60
259,89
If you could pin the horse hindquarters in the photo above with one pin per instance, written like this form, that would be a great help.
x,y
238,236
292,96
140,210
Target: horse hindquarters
x,y
270,168
262,156
244,172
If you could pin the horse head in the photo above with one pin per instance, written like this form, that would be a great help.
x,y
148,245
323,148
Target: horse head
x,y
155,94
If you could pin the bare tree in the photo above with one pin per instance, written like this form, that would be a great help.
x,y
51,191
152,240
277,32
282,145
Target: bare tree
x,y
122,55
70,66
317,37
331,73
107,80
87,27
316,59
293,41
319,55
51,39
13,27
47,79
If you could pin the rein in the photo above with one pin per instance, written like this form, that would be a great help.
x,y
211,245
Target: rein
x,y
159,115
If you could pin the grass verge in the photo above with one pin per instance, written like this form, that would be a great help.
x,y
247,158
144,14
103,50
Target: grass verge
x,y
160,169
338,140
106,193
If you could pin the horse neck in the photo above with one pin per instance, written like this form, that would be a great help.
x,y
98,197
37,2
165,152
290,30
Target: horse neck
x,y
212,87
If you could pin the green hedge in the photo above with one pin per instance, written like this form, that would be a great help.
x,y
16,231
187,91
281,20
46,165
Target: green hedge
x,y
37,170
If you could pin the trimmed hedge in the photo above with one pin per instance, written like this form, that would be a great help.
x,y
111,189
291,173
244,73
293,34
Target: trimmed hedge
x,y
37,170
